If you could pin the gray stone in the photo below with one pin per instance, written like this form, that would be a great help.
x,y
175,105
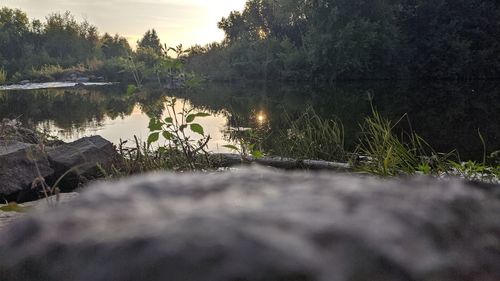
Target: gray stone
x,y
20,165
81,158
25,82
261,225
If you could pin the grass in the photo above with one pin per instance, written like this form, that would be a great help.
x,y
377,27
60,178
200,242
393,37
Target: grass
x,y
312,137
140,158
380,149
474,171
3,76
388,154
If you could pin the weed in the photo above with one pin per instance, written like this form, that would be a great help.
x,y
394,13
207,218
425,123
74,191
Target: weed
x,y
248,144
174,130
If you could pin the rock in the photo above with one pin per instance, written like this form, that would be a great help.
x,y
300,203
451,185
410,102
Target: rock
x,y
80,159
20,165
261,225
25,82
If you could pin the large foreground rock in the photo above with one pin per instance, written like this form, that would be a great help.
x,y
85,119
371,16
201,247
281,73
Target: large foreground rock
x,y
261,225
81,159
20,165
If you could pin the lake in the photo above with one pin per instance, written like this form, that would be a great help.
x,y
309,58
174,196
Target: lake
x,y
447,115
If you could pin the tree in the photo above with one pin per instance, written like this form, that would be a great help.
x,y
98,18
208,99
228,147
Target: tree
x,y
233,26
150,40
116,46
14,27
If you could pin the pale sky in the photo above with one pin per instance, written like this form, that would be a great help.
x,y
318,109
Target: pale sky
x,y
177,21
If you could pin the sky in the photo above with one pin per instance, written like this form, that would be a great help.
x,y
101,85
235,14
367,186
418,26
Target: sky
x,y
186,22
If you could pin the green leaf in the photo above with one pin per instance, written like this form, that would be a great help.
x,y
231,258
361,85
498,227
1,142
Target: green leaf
x,y
182,127
257,154
202,114
169,120
153,138
167,135
231,147
131,89
190,118
154,125
197,128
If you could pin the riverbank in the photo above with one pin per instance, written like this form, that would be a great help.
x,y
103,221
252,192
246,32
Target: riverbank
x,y
33,167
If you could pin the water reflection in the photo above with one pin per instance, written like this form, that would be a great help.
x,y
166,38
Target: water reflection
x,y
448,115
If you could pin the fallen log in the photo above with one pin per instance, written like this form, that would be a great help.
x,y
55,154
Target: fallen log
x,y
223,160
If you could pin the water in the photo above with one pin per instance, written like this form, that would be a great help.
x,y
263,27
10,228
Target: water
x,y
447,115
49,85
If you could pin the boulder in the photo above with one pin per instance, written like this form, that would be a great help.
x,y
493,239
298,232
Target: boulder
x,y
80,159
20,165
25,82
261,225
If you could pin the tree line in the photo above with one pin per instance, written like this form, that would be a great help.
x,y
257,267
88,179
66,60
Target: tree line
x,y
29,48
356,39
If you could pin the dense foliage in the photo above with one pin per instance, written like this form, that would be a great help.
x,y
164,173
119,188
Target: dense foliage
x,y
31,47
61,46
356,39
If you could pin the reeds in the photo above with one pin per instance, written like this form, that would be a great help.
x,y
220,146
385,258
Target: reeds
x,y
312,137
390,154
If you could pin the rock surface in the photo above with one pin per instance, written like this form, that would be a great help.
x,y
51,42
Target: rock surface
x,y
261,225
20,164
81,158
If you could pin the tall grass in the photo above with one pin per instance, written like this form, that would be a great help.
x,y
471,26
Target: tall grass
x,y
388,154
312,137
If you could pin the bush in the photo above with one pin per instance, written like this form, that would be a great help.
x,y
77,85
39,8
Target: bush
x,y
48,73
